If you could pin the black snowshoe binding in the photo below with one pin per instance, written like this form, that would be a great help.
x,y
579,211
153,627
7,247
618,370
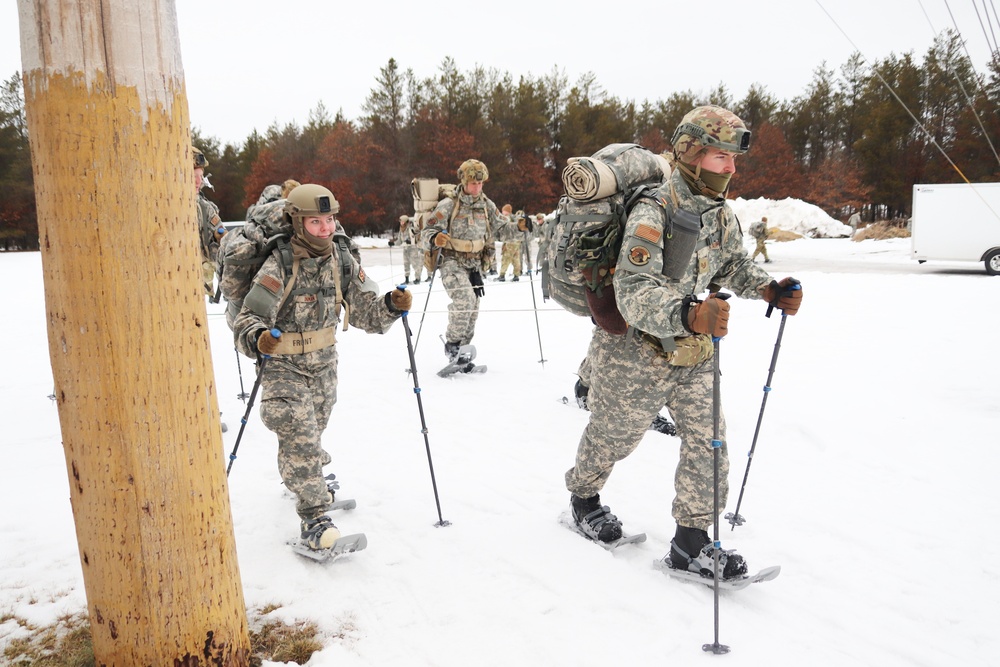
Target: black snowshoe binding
x,y
689,541
663,425
581,390
595,520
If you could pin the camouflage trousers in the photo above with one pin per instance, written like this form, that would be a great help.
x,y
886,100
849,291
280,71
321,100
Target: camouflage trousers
x,y
510,256
630,380
463,311
761,249
208,277
296,406
413,258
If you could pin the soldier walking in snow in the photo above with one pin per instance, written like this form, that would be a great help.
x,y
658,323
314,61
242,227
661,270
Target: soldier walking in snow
x,y
463,229
210,229
666,356
299,380
758,231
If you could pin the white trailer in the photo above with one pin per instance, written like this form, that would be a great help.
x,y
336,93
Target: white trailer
x,y
957,222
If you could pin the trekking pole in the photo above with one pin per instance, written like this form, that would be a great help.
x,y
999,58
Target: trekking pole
x,y
735,518
430,286
420,408
253,394
715,647
534,302
239,369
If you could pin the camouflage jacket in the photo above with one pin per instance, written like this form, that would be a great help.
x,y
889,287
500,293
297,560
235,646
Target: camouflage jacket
x,y
406,235
208,222
476,219
649,300
313,311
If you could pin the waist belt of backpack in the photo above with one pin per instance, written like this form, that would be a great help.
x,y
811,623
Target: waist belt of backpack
x,y
465,246
300,342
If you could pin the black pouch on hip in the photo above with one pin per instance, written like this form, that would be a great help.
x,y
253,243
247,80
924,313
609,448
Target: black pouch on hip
x,y
476,278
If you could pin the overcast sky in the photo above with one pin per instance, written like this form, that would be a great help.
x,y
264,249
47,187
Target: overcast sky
x,y
251,63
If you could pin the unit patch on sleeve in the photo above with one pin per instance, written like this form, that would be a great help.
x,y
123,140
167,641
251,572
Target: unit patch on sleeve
x,y
638,255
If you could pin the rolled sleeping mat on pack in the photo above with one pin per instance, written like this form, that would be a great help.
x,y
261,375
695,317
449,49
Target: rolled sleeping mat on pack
x,y
586,179
613,168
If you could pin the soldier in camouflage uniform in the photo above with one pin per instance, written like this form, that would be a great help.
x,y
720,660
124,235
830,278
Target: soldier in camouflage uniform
x,y
510,251
535,232
758,231
464,230
413,253
299,379
210,229
666,356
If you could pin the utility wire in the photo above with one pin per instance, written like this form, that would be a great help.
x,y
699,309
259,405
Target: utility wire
x,y
895,96
968,100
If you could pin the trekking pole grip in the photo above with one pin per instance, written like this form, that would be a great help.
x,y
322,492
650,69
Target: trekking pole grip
x,y
791,288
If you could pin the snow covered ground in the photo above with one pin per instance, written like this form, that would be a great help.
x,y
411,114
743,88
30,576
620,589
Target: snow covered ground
x,y
871,484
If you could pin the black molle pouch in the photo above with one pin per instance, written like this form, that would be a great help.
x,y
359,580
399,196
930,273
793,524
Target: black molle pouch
x,y
683,228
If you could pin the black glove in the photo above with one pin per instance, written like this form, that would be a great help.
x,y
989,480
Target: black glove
x,y
476,278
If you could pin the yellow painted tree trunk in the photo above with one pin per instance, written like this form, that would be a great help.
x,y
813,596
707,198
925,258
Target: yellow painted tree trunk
x,y
128,339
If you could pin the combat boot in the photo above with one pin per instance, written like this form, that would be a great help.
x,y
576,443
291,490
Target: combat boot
x,y
595,520
319,533
693,551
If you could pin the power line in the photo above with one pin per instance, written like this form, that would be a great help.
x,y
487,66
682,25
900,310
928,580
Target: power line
x,y
894,95
968,100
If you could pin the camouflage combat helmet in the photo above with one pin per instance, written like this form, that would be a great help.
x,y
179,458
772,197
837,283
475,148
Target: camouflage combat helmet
x,y
473,170
709,127
198,158
310,200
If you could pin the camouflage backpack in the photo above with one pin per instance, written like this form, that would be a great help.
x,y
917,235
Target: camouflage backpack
x,y
580,244
266,232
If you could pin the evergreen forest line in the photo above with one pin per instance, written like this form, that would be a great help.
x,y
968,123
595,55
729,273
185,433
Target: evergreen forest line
x,y
846,144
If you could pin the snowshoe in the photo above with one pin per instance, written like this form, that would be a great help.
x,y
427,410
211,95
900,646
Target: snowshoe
x,y
343,545
595,520
332,485
689,541
460,360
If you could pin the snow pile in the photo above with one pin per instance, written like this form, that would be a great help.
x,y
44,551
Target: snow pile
x,y
793,215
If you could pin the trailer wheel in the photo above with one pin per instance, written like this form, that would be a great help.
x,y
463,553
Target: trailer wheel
x,y
993,263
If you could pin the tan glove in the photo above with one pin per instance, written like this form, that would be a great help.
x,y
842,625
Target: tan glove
x,y
441,239
785,295
399,300
266,342
710,316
